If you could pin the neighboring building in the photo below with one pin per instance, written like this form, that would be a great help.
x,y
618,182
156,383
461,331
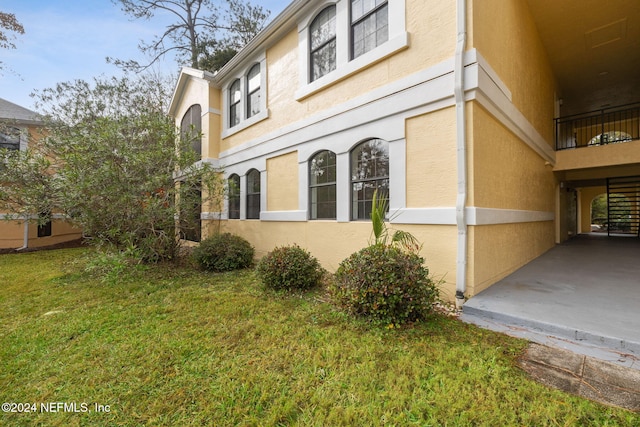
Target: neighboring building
x,y
20,127
448,106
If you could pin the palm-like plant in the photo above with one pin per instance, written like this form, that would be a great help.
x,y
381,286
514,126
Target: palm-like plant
x,y
380,231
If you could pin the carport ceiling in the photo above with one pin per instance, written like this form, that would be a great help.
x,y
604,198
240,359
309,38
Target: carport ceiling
x,y
594,50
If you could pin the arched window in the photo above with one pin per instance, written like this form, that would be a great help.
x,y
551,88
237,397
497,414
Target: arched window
x,y
235,96
610,137
253,194
253,91
191,129
234,197
322,185
369,25
369,172
323,43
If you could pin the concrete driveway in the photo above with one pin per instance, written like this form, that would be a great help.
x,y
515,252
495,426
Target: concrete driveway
x,y
582,295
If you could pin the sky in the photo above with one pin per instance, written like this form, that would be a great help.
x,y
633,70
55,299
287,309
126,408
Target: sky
x,y
65,40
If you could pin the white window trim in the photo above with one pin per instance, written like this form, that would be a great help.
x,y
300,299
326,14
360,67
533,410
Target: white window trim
x,y
244,121
398,40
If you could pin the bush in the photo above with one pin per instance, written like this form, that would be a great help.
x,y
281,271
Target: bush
x,y
224,252
384,284
289,268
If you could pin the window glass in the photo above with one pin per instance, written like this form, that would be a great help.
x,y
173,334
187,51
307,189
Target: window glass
x,y
234,197
369,172
9,137
323,43
234,103
253,194
322,185
369,25
253,87
191,128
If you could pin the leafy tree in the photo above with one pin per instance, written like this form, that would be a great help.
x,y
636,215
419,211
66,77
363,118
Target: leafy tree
x,y
8,24
109,163
201,29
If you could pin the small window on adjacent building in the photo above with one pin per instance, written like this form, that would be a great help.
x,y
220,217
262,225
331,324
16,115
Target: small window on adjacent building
x,y
322,185
44,224
253,194
234,197
253,91
323,43
369,25
369,172
9,137
235,96
191,129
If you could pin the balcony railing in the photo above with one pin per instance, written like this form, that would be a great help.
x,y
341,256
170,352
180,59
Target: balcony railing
x,y
607,126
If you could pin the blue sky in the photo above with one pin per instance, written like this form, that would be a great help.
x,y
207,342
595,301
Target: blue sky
x,y
69,39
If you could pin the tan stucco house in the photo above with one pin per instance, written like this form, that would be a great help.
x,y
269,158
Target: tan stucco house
x,y
490,124
20,127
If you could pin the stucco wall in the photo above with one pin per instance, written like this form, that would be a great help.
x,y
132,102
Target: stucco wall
x,y
432,32
505,174
198,91
505,34
431,159
331,242
282,182
587,195
624,153
498,250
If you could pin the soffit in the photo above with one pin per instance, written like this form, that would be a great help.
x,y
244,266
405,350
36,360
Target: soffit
x,y
594,50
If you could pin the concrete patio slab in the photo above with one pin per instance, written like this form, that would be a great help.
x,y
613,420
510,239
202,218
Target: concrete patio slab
x,y
582,295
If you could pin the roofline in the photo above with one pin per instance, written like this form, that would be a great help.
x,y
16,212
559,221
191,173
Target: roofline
x,y
185,74
267,37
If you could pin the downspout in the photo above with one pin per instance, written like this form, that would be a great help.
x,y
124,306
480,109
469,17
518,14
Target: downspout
x,y
25,244
461,128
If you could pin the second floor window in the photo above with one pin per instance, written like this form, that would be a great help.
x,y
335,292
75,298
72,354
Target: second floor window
x,y
191,128
369,25
235,96
323,43
253,91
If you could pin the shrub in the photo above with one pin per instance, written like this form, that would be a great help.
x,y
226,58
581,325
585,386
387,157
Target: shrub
x,y
223,252
384,284
289,268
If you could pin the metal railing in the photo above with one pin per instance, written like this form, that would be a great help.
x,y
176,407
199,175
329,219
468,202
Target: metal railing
x,y
606,126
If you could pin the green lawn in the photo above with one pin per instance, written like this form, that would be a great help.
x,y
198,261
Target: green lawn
x,y
171,346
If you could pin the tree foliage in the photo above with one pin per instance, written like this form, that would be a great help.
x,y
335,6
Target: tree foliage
x,y
201,29
108,162
8,25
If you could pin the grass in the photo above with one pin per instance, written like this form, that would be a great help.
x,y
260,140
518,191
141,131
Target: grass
x,y
168,346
